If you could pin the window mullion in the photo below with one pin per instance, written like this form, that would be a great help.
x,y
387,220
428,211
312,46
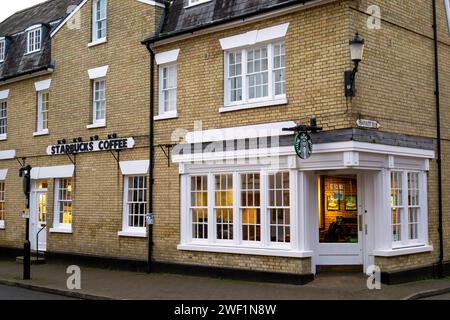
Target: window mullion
x,y
270,64
244,76
405,217
264,193
237,220
211,219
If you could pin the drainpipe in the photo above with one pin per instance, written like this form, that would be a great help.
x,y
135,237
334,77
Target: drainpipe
x,y
151,155
439,143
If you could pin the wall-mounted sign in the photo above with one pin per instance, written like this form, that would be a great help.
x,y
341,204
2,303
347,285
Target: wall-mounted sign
x,y
91,146
370,124
303,145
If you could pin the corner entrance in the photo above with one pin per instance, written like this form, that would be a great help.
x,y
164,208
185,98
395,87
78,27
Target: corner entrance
x,y
344,212
38,215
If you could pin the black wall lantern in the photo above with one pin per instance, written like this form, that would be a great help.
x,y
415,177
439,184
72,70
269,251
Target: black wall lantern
x,y
356,53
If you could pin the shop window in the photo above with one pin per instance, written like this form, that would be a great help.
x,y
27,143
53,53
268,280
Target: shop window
x,y
43,100
250,207
63,203
279,207
338,209
135,199
34,39
406,207
199,207
2,204
224,206
99,15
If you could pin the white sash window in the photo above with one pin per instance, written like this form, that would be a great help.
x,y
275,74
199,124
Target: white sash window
x,y
99,13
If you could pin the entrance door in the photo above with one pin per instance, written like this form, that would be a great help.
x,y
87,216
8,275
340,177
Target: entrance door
x,y
340,220
38,215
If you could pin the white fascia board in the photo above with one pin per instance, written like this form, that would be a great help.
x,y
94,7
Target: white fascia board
x,y
3,174
98,73
129,168
7,154
43,85
152,3
238,133
36,26
52,172
167,57
4,94
255,36
74,11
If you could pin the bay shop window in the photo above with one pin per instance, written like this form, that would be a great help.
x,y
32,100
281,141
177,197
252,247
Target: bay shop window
x,y
246,209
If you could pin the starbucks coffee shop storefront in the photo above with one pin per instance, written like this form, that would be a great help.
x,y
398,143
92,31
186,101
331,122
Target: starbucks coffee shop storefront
x,y
245,191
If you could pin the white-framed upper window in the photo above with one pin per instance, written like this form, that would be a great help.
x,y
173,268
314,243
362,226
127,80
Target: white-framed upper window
x,y
99,16
407,207
43,100
2,49
34,40
168,89
447,9
99,101
3,118
196,2
135,204
255,74
63,203
2,204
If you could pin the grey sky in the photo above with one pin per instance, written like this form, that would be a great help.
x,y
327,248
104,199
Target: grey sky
x,y
9,7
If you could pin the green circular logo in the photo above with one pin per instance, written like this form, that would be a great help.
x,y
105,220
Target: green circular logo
x,y
303,145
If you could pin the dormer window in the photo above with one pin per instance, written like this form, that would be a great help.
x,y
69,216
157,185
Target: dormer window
x,y
99,20
196,2
2,49
34,39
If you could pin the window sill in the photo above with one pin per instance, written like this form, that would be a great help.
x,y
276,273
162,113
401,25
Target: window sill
x,y
3,137
196,4
61,230
31,52
96,125
41,133
132,234
403,251
246,250
97,42
253,105
166,116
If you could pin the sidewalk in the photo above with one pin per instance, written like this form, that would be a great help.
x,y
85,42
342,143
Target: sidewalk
x,y
113,284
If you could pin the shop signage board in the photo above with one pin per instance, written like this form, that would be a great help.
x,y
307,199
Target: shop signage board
x,y
370,124
91,146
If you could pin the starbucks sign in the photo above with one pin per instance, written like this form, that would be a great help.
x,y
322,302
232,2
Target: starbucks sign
x,y
303,145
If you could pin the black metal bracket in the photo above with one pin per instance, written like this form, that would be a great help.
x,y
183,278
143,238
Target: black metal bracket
x,y
312,127
22,164
349,79
74,159
167,153
115,157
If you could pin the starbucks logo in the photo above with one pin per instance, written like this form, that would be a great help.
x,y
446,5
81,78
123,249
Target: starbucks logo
x,y
303,145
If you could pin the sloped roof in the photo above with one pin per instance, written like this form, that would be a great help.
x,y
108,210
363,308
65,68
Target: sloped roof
x,y
50,14
182,18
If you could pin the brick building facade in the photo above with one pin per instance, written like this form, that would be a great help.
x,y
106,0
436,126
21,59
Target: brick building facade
x,y
233,194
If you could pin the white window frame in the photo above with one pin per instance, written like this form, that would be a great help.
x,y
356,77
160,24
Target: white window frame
x,y
2,200
4,128
95,102
41,121
57,225
127,230
237,245
193,3
33,45
422,208
162,113
95,21
246,100
2,49
447,9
